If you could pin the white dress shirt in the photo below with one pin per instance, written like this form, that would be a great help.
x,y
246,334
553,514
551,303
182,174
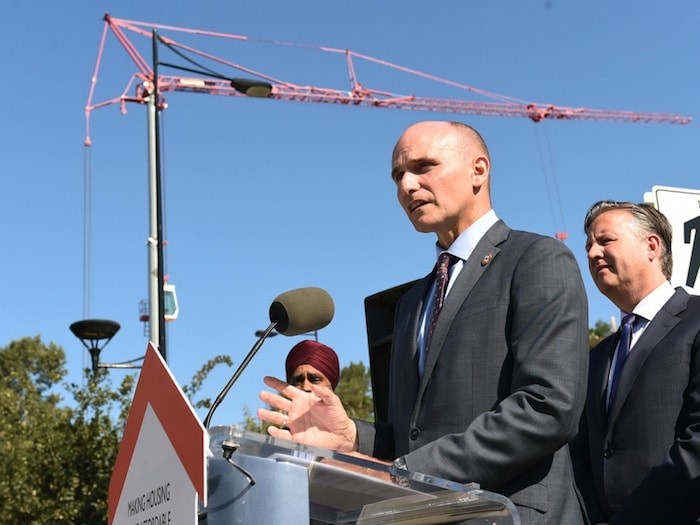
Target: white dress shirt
x,y
462,247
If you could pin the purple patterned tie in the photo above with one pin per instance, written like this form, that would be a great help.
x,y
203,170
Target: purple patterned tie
x,y
442,276
623,350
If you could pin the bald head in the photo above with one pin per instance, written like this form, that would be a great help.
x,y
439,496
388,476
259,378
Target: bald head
x,y
469,138
441,170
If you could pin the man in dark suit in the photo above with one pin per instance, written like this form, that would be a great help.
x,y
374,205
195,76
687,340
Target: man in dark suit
x,y
493,393
637,454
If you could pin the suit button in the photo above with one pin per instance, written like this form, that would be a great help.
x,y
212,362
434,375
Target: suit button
x,y
607,454
414,433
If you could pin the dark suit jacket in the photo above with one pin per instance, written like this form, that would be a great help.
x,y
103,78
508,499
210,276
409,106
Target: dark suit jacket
x,y
504,381
641,464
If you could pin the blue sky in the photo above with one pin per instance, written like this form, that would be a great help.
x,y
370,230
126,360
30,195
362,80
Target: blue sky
x,y
264,196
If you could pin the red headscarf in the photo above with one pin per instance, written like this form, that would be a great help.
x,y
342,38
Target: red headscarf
x,y
316,354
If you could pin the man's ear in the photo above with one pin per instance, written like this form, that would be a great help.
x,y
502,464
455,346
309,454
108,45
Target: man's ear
x,y
480,173
653,246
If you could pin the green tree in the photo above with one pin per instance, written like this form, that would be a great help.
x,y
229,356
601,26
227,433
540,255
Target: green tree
x,y
600,331
56,462
94,437
253,423
355,391
198,381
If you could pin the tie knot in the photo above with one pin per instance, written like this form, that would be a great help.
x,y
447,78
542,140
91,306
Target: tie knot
x,y
629,320
445,260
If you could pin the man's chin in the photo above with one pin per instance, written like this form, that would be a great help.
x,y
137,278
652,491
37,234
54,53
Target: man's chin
x,y
422,226
425,229
605,283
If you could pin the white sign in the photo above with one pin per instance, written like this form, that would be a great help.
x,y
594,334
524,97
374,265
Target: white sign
x,y
682,208
161,469
157,490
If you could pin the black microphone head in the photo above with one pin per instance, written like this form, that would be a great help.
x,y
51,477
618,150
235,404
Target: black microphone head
x,y
302,310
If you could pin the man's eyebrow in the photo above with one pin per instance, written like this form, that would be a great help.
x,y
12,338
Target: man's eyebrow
x,y
422,161
410,163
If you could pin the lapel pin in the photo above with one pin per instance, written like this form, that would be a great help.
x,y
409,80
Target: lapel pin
x,y
487,259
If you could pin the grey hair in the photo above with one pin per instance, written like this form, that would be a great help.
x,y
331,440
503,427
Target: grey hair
x,y
647,219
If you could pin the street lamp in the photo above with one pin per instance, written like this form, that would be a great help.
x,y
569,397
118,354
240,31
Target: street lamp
x,y
91,332
156,300
251,88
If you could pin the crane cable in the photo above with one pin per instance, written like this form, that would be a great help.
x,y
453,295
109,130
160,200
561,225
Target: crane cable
x,y
553,195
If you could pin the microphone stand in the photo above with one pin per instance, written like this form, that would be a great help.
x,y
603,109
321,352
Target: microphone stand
x,y
229,446
294,300
237,373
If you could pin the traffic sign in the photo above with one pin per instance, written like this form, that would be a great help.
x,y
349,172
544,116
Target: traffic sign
x,y
682,208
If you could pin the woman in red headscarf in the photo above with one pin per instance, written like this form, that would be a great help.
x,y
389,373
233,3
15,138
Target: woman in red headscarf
x,y
311,362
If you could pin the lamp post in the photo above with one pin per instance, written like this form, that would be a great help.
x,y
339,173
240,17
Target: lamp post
x,y
156,259
91,332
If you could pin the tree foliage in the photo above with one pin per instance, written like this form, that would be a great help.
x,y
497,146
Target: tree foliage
x,y
600,331
56,461
198,380
253,423
355,391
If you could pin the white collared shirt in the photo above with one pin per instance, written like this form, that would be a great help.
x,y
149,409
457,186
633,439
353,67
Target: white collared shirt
x,y
647,309
462,247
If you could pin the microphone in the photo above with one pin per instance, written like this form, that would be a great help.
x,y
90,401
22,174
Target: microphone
x,y
301,310
291,313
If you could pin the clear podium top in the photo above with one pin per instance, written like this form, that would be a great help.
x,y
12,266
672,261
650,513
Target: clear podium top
x,y
348,489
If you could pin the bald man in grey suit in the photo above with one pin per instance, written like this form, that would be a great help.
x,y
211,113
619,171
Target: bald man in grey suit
x,y
494,392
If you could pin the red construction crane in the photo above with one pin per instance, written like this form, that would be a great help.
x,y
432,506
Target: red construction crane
x,y
150,85
205,81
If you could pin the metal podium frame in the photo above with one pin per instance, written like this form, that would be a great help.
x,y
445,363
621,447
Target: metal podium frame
x,y
259,480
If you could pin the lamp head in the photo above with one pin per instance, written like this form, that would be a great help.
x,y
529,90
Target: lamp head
x,y
252,88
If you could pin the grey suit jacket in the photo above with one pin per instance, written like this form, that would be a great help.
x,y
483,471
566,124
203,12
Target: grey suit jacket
x,y
504,381
641,463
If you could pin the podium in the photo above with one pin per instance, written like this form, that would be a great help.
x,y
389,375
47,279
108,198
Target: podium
x,y
259,480
168,464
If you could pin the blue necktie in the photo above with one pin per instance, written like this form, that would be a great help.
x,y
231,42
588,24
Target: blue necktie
x,y
623,350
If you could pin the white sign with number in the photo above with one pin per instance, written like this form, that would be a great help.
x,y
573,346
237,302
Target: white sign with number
x,y
682,208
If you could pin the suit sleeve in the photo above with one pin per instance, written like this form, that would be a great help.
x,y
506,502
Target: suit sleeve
x,y
547,338
375,439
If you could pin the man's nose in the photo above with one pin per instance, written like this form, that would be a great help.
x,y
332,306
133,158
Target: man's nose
x,y
409,182
306,385
594,252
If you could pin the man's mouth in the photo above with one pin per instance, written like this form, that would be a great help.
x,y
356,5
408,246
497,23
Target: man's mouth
x,y
416,204
601,267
